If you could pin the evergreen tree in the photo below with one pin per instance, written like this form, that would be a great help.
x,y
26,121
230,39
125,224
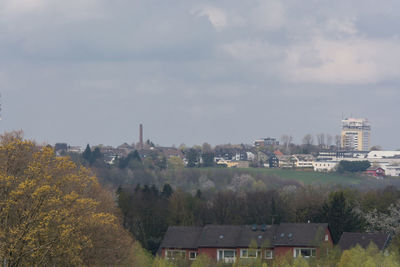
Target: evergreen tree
x,y
198,194
192,157
167,191
87,154
208,159
353,166
340,216
133,160
96,154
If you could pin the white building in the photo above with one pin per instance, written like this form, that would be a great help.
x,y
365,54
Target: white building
x,y
356,134
303,160
377,154
324,166
250,156
391,170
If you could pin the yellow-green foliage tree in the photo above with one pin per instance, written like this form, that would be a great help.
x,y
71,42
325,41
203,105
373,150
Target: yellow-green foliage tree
x,y
370,257
175,163
53,212
203,261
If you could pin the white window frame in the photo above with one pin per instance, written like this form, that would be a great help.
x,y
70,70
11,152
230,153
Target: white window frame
x,y
226,259
173,253
195,255
297,252
271,256
244,253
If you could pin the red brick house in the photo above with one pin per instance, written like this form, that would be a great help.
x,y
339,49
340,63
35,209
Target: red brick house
x,y
229,242
377,172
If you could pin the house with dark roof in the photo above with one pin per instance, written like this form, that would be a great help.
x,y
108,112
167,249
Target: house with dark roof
x,y
229,242
350,240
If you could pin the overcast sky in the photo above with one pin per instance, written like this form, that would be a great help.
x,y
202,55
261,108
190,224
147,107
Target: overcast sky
x,y
229,71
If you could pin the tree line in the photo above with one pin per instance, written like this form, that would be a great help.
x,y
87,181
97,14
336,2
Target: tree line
x,y
354,257
148,211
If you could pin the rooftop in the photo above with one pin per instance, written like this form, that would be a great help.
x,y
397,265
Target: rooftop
x,y
349,240
230,236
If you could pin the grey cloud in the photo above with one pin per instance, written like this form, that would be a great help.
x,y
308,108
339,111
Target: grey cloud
x,y
91,71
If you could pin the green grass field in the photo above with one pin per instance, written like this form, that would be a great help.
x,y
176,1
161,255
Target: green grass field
x,y
310,177
276,178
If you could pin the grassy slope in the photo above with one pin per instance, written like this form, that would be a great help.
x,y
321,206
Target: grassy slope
x,y
309,177
276,178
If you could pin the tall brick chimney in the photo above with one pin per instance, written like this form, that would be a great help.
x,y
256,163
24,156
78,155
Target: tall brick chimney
x,y
141,136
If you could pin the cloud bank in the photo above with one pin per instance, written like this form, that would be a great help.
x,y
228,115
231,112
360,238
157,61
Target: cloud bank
x,y
240,68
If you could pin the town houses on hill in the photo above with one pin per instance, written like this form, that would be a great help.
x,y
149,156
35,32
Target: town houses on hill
x,y
352,145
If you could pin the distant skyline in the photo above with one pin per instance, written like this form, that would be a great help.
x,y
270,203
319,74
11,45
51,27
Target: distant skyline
x,y
84,71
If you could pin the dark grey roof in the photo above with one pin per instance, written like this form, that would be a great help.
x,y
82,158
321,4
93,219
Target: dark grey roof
x,y
349,240
263,238
232,236
181,237
300,234
222,236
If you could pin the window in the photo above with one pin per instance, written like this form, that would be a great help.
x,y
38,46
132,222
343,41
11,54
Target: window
x,y
193,255
175,254
269,254
249,253
225,255
326,237
304,252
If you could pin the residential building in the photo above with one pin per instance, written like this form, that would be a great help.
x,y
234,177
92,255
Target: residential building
x,y
303,160
250,156
391,170
75,149
266,142
285,161
170,152
233,164
109,159
227,243
240,155
273,161
377,172
324,166
350,240
356,134
383,154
